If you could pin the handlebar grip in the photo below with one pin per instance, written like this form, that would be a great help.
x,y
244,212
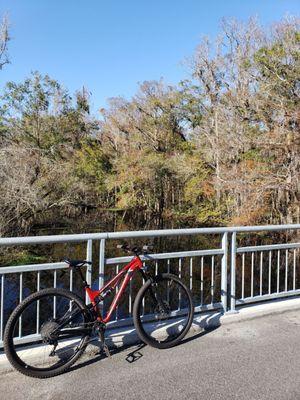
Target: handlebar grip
x,y
123,246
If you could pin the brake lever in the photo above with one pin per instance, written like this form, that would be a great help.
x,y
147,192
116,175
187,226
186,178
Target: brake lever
x,y
146,249
124,247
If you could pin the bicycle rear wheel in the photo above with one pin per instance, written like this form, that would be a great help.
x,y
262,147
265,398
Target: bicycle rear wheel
x,y
163,311
54,331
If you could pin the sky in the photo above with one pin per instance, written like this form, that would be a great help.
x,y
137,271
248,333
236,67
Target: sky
x,y
110,46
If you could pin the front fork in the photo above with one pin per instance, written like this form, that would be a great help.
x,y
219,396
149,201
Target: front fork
x,y
156,298
146,276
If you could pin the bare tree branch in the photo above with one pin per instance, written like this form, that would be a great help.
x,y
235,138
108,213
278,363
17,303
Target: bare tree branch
x,y
4,39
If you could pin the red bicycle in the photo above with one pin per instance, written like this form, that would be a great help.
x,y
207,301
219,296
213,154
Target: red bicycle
x,y
64,325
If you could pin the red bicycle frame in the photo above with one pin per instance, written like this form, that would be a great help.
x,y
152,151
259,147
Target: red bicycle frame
x,y
129,269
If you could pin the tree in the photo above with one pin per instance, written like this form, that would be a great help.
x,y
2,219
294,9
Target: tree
x,y
43,130
4,39
143,135
246,84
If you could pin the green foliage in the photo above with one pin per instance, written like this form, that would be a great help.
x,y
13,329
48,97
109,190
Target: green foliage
x,y
253,154
92,164
22,257
40,114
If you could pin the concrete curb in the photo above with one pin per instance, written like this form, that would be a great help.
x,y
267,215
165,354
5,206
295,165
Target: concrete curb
x,y
127,336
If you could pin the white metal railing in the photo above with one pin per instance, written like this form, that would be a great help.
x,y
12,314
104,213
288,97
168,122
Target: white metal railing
x,y
276,260
258,272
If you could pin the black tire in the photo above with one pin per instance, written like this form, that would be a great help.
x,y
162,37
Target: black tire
x,y
13,350
142,323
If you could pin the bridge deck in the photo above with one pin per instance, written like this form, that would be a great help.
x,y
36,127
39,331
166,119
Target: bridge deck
x,y
250,359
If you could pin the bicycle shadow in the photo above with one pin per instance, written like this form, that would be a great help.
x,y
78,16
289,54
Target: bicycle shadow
x,y
200,328
131,357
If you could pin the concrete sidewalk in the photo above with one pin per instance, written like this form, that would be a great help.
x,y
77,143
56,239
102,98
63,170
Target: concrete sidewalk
x,y
213,319
124,337
245,358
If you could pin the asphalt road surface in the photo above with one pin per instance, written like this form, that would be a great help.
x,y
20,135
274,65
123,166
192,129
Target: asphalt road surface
x,y
256,360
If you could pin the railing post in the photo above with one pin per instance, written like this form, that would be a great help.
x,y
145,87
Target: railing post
x,y
2,308
101,265
224,271
232,272
89,256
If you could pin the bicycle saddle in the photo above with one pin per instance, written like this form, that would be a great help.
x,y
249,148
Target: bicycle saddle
x,y
77,263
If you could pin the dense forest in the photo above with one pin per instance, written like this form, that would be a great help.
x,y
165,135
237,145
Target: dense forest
x,y
221,147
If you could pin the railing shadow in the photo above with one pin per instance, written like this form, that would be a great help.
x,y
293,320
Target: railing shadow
x,y
207,325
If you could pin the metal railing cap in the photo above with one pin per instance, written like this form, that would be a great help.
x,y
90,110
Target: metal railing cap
x,y
10,241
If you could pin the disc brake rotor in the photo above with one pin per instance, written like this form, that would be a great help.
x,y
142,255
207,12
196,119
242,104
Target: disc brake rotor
x,y
162,310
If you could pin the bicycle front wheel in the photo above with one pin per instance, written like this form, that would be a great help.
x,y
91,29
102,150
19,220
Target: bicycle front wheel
x,y
163,311
46,333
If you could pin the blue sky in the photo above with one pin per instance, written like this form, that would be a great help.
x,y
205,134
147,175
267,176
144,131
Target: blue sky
x,y
110,46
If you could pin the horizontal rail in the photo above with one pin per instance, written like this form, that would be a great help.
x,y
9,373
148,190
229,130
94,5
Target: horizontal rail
x,y
32,268
164,256
250,249
11,241
136,234
271,296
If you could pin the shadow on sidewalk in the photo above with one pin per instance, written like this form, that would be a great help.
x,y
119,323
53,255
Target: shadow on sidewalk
x,y
207,324
130,357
